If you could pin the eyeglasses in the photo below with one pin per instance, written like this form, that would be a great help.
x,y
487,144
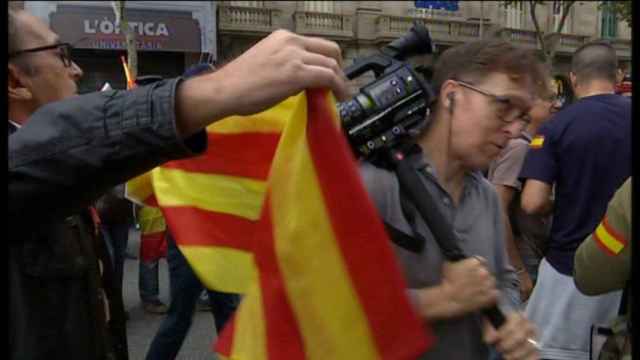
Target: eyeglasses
x,y
64,53
509,108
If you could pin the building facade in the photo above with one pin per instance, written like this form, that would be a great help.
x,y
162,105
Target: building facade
x,y
173,35
362,27
170,36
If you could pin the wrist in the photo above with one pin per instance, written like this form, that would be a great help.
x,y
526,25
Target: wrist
x,y
437,302
200,101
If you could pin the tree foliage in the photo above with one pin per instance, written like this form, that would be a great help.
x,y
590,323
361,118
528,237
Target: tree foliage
x,y
548,44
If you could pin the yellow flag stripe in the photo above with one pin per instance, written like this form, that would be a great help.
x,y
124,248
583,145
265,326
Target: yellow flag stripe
x,y
608,240
249,338
139,188
151,220
225,194
220,268
270,120
309,256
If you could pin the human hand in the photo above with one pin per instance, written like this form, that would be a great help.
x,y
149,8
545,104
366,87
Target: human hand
x,y
469,285
526,285
279,66
515,339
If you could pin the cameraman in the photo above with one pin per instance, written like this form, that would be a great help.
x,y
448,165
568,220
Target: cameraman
x,y
484,92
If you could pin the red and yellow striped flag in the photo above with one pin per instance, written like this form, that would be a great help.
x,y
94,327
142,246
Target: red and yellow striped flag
x,y
212,202
608,239
315,264
328,284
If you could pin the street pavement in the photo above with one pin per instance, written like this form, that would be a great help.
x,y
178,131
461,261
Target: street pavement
x,y
142,326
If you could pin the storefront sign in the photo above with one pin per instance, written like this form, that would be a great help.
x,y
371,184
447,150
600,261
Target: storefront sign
x,y
95,28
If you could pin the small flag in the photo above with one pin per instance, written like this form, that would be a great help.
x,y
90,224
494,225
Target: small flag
x,y
127,73
608,239
537,142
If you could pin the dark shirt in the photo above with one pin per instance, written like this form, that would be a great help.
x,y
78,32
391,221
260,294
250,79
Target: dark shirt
x,y
586,152
65,156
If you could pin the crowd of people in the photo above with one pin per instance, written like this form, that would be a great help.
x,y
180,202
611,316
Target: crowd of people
x,y
532,172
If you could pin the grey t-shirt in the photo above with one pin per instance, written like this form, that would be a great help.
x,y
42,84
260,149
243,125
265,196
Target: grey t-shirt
x,y
478,224
531,232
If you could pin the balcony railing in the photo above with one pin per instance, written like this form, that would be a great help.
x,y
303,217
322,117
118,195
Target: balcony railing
x,y
622,46
248,19
571,42
441,30
522,37
325,24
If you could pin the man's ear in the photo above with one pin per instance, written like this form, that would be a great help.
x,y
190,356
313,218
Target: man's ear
x,y
573,79
16,88
447,95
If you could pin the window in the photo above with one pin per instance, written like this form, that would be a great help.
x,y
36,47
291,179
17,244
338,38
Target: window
x,y
515,15
328,7
608,23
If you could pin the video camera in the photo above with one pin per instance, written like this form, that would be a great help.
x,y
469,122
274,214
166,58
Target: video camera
x,y
393,106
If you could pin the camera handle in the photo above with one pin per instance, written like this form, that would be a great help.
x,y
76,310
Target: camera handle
x,y
377,63
440,228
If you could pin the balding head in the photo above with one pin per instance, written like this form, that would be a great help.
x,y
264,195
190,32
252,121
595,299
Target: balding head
x,y
595,61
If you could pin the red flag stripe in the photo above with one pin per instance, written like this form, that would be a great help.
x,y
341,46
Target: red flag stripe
x,y
354,236
213,228
244,154
619,237
284,340
224,343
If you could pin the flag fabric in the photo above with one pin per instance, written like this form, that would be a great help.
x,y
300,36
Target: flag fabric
x,y
275,209
328,286
212,202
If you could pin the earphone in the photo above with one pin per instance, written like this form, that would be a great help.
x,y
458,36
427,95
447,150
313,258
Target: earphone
x,y
451,97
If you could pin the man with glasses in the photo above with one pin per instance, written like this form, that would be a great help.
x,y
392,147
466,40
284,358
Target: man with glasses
x,y
484,93
585,153
526,235
65,151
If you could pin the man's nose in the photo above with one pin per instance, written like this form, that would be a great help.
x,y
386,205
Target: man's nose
x,y
76,71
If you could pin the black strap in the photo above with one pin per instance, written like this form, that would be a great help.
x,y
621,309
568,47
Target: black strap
x,y
403,240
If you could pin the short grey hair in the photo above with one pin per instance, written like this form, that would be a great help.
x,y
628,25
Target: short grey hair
x,y
595,60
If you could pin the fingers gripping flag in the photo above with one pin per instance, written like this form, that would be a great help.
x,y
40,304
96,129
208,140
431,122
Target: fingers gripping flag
x,y
322,281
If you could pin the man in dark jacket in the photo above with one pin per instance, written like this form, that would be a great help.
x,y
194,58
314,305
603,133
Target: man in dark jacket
x,y
68,153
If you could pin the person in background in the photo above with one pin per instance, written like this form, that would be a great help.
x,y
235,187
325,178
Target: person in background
x,y
185,289
526,235
584,153
153,247
603,265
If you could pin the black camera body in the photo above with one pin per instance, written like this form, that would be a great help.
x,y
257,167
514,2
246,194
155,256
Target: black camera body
x,y
395,105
